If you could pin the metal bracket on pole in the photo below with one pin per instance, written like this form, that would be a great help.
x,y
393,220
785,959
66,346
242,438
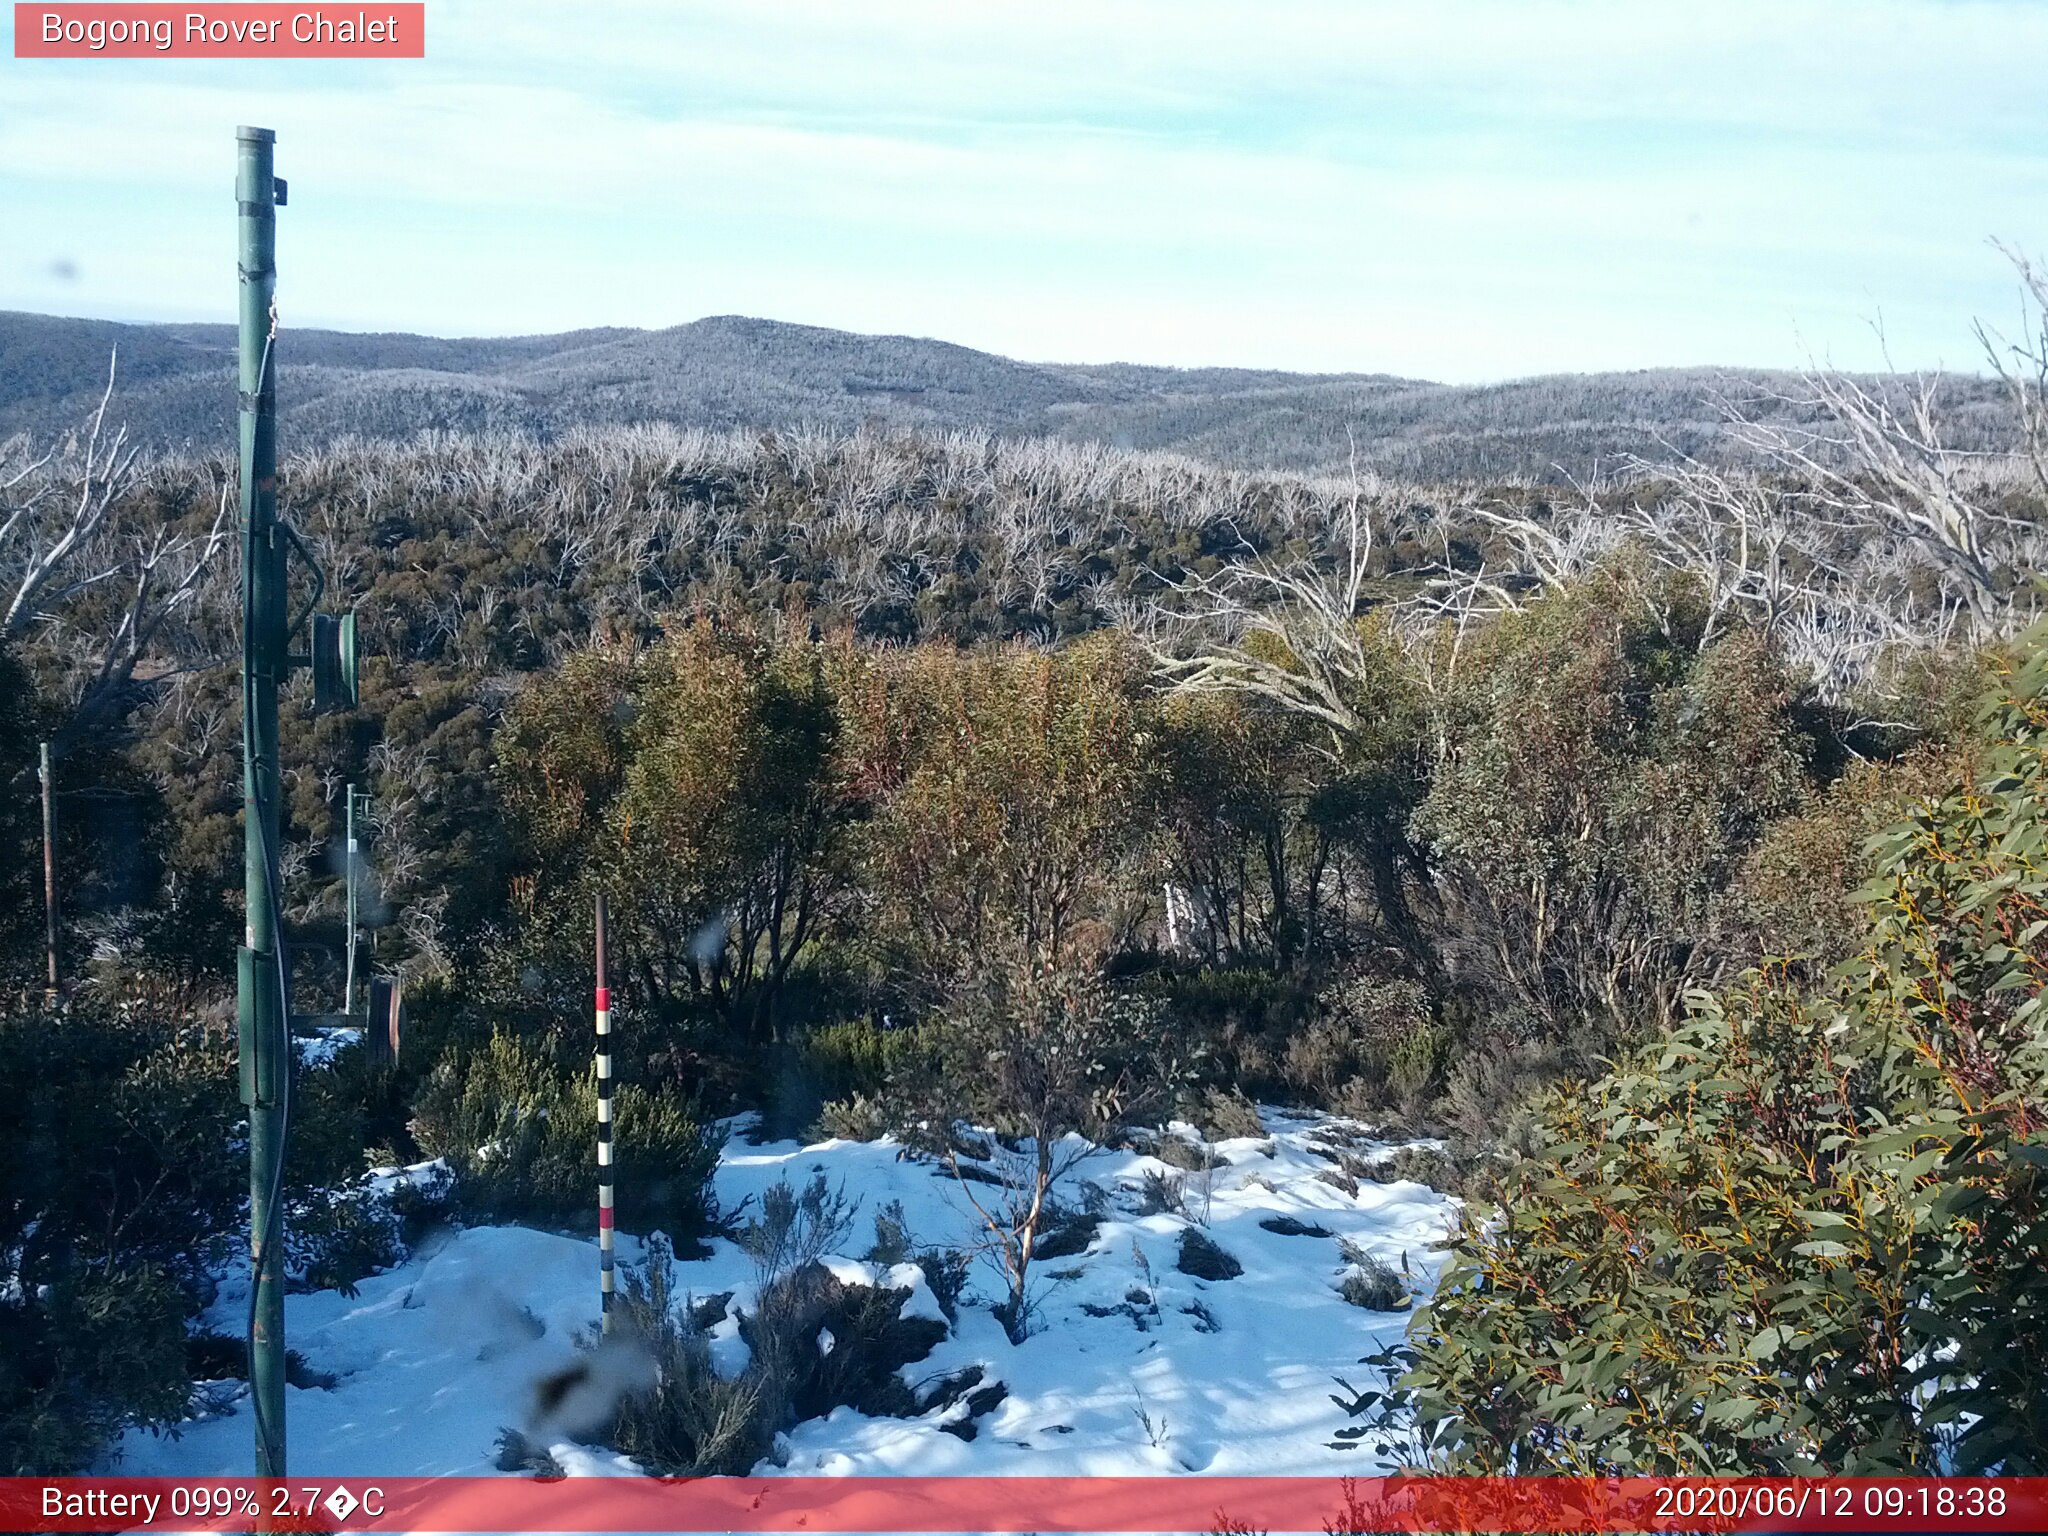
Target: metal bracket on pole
x,y
333,654
261,1026
384,1028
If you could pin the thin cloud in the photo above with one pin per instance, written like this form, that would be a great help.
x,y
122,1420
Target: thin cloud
x,y
1458,190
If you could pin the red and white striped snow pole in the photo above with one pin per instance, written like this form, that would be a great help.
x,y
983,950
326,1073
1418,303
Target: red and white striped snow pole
x,y
604,1129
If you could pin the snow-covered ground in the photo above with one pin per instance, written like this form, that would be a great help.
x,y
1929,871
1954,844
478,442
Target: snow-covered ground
x,y
431,1360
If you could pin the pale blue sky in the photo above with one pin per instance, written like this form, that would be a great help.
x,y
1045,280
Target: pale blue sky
x,y
1456,189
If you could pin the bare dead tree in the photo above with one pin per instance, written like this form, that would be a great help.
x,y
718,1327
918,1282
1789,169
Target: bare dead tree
x,y
56,504
1867,536
1288,633
2022,364
165,571
1881,462
62,538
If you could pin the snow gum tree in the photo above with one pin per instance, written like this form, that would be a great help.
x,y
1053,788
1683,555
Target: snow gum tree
x,y
1805,1231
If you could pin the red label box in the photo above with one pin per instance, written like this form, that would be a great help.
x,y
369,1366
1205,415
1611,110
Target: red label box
x,y
819,1506
234,31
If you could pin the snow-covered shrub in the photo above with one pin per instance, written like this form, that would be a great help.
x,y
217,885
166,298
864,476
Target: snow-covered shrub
x,y
1161,1193
694,1421
819,1337
892,1235
821,1341
1179,1152
1226,1113
1428,1166
336,1236
945,1269
1067,1233
1051,1059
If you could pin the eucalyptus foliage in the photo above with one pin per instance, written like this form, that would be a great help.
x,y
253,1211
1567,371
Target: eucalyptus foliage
x,y
1805,1231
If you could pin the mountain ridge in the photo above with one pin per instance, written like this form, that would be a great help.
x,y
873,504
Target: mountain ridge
x,y
175,390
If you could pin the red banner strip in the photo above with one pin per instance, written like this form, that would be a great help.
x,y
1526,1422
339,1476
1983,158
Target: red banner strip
x,y
377,30
1006,1504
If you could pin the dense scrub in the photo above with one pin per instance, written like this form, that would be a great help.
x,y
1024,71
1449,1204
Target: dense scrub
x,y
934,780
1804,1230
122,1187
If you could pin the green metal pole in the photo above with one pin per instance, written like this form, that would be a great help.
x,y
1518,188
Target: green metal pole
x,y
264,1037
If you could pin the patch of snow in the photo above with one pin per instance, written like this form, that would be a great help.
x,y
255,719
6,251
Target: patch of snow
x,y
847,1271
920,1302
1132,1366
320,1049
389,1181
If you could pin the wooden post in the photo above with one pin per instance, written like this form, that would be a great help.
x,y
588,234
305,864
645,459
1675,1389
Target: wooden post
x,y
348,983
384,1024
49,879
605,1282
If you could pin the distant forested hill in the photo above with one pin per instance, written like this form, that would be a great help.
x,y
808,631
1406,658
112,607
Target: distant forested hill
x,y
177,390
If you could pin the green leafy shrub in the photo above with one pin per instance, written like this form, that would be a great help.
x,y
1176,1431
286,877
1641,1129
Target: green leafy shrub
x,y
858,1057
846,1064
859,1118
1496,1079
1263,818
1009,790
520,1136
1804,1231
334,1237
734,810
119,1185
97,1350
1604,776
1372,1045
